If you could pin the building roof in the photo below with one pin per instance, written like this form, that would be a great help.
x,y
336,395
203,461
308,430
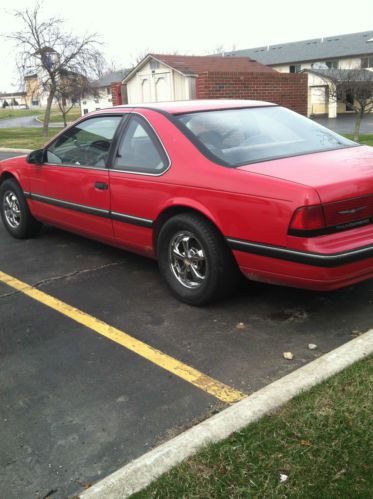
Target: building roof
x,y
192,65
110,77
331,47
195,64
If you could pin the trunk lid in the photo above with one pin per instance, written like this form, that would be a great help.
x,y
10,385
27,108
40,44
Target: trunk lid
x,y
343,180
336,175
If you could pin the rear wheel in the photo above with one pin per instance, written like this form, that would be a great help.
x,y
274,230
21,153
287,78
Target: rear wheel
x,y
195,261
15,213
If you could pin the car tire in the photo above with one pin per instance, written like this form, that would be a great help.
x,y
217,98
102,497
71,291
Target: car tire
x,y
195,261
15,212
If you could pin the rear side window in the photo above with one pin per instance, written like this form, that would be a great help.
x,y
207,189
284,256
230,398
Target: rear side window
x,y
140,150
235,137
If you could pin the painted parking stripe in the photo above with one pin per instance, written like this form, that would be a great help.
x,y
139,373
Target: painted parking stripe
x,y
179,369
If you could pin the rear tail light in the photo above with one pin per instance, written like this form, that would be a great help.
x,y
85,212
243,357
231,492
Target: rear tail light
x,y
308,218
331,217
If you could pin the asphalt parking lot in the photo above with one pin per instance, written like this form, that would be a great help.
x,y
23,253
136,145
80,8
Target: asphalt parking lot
x,y
76,405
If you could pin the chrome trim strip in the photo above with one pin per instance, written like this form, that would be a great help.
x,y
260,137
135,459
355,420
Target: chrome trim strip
x,y
68,204
80,167
121,217
139,173
305,257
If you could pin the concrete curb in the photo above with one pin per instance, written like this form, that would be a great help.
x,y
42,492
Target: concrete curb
x,y
21,151
142,471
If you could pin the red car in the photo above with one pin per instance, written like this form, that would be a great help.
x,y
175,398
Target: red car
x,y
208,188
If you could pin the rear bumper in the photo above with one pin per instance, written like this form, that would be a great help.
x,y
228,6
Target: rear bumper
x,y
303,269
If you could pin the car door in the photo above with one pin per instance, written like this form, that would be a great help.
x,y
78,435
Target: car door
x,y
135,184
71,188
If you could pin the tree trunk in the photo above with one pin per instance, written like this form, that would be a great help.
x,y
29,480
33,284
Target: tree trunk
x,y
48,111
358,117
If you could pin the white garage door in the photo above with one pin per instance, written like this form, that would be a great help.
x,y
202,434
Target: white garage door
x,y
145,90
163,88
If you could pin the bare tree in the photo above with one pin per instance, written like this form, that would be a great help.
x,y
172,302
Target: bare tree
x,y
220,49
48,49
70,90
217,50
139,56
353,87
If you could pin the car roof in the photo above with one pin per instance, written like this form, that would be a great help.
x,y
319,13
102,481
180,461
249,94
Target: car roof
x,y
190,106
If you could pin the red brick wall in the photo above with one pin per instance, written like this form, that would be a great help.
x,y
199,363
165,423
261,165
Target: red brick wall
x,y
116,94
289,90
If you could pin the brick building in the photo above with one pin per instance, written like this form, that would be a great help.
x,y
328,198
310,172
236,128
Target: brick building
x,y
288,90
160,78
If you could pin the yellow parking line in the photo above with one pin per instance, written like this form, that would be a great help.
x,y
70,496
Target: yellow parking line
x,y
183,371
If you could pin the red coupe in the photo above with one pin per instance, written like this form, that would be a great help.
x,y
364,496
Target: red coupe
x,y
208,188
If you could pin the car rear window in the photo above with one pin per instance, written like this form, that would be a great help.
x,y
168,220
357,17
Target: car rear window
x,y
236,137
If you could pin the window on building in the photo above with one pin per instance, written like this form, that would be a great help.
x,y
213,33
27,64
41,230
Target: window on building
x,y
154,65
332,64
85,111
84,102
295,68
108,90
367,62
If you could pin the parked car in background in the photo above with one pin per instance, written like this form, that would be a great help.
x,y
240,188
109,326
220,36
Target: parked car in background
x,y
210,189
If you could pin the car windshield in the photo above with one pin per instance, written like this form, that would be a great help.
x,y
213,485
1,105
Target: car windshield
x,y
236,137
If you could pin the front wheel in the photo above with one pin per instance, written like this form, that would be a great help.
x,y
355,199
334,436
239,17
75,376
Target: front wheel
x,y
195,261
15,213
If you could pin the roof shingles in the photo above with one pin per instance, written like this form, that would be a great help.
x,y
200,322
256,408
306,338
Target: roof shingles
x,y
331,47
194,64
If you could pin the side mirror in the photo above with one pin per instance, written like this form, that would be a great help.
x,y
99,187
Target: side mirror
x,y
36,157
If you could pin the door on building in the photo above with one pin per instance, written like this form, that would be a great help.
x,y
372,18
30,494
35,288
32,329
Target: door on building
x,y
146,90
163,90
349,102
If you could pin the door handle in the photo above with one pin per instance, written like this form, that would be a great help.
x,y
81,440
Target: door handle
x,y
101,185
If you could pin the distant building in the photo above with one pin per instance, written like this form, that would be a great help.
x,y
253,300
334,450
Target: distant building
x,y
160,77
170,77
36,94
351,51
108,91
13,100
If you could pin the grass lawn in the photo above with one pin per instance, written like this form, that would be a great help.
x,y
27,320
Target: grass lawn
x,y
322,441
56,116
24,138
366,139
17,113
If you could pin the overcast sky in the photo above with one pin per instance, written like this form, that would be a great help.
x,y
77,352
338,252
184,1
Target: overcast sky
x,y
129,28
